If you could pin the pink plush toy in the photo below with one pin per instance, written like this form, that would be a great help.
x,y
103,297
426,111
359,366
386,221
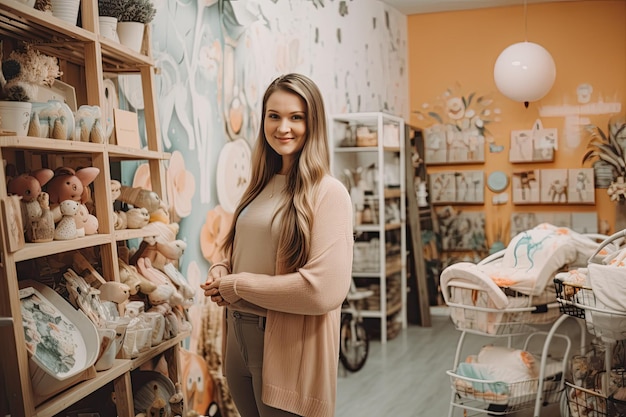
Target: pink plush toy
x,y
68,184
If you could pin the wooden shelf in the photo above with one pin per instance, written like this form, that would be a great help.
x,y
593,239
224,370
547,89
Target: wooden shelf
x,y
37,250
79,391
85,57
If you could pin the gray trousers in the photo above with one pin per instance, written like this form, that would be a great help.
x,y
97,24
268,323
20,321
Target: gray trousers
x,y
244,364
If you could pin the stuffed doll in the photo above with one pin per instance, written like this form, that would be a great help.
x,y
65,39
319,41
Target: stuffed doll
x,y
66,227
29,187
68,184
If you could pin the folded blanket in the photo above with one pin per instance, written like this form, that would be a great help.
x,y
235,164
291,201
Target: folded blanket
x,y
527,265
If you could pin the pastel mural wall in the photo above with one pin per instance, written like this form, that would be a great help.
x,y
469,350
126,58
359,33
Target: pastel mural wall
x,y
215,60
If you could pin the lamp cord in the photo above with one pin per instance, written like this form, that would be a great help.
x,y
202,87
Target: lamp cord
x,y
525,23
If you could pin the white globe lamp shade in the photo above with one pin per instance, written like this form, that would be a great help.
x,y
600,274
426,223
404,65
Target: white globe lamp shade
x,y
524,72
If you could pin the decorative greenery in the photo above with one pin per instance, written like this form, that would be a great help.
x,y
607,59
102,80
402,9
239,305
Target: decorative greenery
x,y
111,8
607,148
24,70
142,11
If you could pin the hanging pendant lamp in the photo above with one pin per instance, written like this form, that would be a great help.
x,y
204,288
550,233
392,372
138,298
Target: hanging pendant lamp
x,y
524,71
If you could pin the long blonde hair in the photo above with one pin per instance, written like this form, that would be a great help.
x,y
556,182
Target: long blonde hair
x,y
312,164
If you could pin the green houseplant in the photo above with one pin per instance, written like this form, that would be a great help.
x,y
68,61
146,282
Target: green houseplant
x,y
109,12
607,150
142,11
111,8
132,21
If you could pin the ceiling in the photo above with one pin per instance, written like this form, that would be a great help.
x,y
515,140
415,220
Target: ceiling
x,y
409,7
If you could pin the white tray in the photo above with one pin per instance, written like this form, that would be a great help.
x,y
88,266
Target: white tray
x,y
61,341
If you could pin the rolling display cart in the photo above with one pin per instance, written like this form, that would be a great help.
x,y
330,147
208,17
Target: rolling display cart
x,y
525,368
595,296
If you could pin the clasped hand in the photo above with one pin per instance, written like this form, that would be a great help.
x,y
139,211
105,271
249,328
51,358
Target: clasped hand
x,y
211,286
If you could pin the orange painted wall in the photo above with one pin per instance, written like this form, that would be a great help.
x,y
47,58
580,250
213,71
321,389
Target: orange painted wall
x,y
587,40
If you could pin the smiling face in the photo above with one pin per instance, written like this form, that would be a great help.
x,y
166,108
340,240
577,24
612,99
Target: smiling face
x,y
285,125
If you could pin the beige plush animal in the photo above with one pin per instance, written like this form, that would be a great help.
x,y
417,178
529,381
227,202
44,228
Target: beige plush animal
x,y
140,197
137,218
66,227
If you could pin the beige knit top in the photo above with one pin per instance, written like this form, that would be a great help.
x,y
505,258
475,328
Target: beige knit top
x,y
303,308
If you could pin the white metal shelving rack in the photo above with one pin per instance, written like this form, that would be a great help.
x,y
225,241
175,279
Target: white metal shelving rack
x,y
387,154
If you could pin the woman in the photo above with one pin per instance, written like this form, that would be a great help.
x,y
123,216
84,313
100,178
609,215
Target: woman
x,y
289,266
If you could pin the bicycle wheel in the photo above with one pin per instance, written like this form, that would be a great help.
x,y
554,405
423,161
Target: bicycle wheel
x,y
353,349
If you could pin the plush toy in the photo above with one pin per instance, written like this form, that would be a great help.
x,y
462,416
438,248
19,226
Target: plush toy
x,y
120,220
68,184
42,227
29,187
131,277
165,292
136,218
66,227
116,189
140,197
161,247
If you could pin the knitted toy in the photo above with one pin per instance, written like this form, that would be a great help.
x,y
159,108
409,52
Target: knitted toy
x,y
66,227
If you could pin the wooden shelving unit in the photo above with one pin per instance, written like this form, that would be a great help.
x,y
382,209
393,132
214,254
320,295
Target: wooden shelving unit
x,y
84,56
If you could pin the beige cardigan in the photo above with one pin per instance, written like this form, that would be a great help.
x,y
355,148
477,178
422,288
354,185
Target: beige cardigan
x,y
304,310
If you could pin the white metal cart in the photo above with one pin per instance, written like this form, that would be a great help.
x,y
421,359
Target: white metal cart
x,y
474,312
583,295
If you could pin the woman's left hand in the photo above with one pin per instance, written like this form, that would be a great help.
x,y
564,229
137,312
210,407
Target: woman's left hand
x,y
212,290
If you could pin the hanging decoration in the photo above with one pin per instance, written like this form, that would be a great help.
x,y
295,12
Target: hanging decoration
x,y
524,71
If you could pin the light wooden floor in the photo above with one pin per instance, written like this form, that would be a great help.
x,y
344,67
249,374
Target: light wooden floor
x,y
406,377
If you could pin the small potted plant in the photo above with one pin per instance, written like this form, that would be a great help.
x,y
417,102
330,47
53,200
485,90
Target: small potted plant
x,y
606,150
135,16
23,72
109,12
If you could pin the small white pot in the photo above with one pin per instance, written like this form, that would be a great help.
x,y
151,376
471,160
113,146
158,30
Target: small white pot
x,y
15,116
131,34
108,27
66,10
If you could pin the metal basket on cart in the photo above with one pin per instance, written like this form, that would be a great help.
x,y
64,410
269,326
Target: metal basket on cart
x,y
594,401
499,398
601,300
480,316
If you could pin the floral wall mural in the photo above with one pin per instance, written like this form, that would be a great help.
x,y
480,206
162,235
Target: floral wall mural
x,y
216,58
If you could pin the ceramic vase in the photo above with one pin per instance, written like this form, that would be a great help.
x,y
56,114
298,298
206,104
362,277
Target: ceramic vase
x,y
131,34
15,116
66,10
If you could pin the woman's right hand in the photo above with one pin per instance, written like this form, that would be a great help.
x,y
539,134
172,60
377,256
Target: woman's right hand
x,y
211,285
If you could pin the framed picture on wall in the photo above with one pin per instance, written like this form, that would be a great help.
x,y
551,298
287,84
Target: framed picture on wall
x,y
445,144
461,230
435,144
457,187
533,145
553,185
469,187
580,186
442,187
525,187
